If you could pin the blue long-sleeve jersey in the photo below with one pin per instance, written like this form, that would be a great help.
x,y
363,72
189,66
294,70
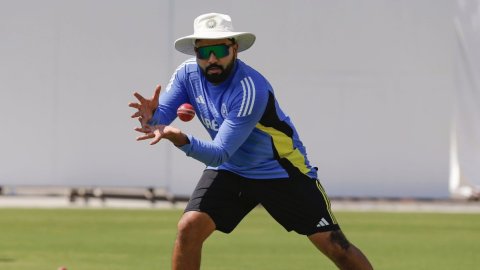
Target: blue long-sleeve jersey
x,y
251,135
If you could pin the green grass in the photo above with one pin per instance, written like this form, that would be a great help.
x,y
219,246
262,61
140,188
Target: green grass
x,y
45,239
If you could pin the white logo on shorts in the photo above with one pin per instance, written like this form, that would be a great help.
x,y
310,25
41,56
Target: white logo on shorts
x,y
323,222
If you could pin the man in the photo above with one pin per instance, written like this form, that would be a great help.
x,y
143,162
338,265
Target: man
x,y
255,157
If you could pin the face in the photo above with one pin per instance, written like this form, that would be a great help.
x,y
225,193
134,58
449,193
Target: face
x,y
216,62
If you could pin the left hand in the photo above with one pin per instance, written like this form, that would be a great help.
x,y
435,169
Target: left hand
x,y
156,133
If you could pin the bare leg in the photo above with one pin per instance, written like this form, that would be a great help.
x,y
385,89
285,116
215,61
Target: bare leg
x,y
193,229
337,248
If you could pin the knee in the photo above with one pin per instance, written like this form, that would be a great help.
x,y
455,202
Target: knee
x,y
194,227
186,226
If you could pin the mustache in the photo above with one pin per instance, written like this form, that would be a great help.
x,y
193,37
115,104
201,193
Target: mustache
x,y
214,66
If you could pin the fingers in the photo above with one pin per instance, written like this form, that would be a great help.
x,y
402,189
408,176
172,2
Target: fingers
x,y
145,109
146,129
155,140
134,105
137,114
139,97
156,95
143,116
157,137
146,137
150,133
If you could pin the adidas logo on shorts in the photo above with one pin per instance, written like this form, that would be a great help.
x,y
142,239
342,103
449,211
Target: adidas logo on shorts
x,y
323,222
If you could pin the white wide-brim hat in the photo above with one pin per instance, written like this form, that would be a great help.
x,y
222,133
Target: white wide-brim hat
x,y
213,26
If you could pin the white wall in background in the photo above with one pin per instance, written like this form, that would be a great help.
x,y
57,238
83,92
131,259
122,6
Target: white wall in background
x,y
367,83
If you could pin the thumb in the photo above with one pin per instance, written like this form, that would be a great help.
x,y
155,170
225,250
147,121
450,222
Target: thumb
x,y
156,94
157,138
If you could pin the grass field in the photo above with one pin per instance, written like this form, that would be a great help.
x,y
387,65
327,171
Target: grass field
x,y
88,239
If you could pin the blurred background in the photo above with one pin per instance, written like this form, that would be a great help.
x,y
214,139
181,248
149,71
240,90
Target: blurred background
x,y
385,94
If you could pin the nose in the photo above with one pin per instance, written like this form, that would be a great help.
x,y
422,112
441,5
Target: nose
x,y
212,58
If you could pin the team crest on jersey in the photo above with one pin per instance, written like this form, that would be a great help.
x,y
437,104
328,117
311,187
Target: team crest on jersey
x,y
224,111
200,100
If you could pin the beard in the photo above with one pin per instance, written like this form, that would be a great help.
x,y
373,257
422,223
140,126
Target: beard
x,y
217,78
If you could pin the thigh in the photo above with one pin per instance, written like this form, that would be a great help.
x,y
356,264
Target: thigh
x,y
221,194
300,204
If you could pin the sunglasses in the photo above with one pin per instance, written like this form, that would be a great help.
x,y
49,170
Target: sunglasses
x,y
219,51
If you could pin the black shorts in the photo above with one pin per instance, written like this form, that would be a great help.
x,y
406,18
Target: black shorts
x,y
298,203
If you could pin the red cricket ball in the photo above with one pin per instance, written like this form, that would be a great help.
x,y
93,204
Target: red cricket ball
x,y
185,112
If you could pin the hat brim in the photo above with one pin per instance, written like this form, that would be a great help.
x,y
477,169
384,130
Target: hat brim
x,y
185,44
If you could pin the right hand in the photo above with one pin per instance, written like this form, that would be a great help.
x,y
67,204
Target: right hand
x,y
145,107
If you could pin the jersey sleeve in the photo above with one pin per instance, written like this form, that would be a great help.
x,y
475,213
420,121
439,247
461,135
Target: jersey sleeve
x,y
245,110
174,95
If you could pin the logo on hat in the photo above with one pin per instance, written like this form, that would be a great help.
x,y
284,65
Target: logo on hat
x,y
211,23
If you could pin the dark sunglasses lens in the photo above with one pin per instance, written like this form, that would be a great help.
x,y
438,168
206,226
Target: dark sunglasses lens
x,y
220,51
